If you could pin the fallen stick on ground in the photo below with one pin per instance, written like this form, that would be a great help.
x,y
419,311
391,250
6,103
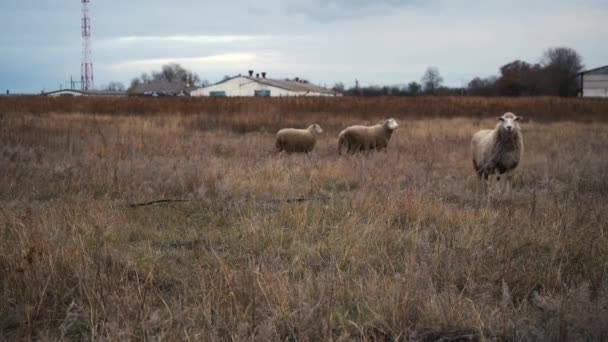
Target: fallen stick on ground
x,y
287,200
141,204
297,199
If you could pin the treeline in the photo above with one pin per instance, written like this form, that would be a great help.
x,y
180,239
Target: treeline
x,y
252,111
555,75
171,72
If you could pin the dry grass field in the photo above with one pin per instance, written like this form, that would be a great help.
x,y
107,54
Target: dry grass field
x,y
262,246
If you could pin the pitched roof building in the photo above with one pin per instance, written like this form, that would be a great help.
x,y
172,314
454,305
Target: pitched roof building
x,y
262,86
594,82
74,92
161,88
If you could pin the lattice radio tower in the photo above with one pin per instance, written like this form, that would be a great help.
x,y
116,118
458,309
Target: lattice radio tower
x,y
86,67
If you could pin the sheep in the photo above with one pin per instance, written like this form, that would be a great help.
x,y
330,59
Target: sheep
x,y
297,140
498,150
365,138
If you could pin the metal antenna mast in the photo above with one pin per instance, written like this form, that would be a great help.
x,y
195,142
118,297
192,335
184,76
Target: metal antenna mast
x,y
86,67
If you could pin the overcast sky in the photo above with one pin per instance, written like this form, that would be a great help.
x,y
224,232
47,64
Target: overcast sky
x,y
325,41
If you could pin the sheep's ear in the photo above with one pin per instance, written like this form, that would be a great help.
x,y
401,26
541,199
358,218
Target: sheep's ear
x,y
500,118
517,118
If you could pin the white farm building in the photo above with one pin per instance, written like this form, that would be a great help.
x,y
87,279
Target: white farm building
x,y
74,92
594,82
262,86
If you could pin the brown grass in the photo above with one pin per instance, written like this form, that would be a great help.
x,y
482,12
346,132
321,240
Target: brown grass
x,y
395,245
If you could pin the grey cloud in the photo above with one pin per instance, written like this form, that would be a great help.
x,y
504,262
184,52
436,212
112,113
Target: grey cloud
x,y
381,41
333,10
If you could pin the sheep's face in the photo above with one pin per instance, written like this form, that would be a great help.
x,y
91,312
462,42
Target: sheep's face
x,y
508,122
391,124
317,129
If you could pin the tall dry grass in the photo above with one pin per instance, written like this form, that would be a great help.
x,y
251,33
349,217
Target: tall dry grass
x,y
542,109
396,245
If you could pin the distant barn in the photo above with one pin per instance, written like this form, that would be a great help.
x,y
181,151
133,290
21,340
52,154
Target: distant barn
x,y
594,82
261,86
161,88
73,92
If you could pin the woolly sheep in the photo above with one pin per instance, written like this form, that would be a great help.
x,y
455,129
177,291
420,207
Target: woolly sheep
x,y
498,150
364,138
297,140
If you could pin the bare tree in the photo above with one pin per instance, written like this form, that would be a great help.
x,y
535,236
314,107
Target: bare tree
x,y
561,66
171,72
431,80
339,87
519,78
483,86
115,86
413,88
174,72
145,78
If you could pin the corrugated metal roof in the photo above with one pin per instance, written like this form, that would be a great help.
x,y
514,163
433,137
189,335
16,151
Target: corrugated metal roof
x,y
64,91
105,93
291,85
162,87
283,84
87,92
600,70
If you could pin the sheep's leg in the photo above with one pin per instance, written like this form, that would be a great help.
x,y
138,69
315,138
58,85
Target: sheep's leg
x,y
509,185
368,148
493,184
485,181
482,185
502,181
478,169
495,179
278,146
506,189
486,186
500,185
486,172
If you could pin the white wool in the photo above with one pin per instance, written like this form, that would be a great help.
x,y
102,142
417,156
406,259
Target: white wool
x,y
297,140
365,138
499,150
